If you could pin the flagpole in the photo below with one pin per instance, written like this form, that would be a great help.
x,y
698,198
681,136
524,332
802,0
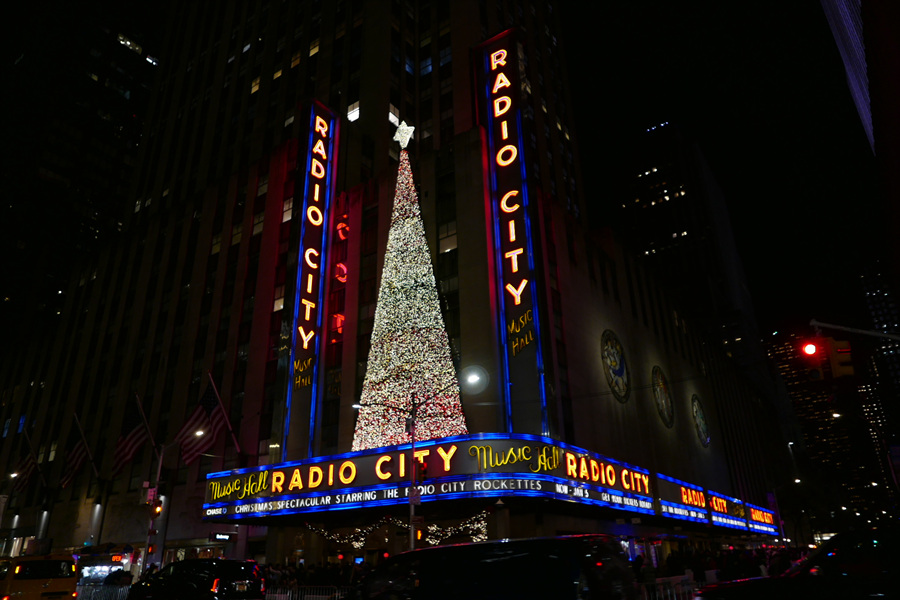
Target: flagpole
x,y
34,457
147,425
87,447
43,520
225,414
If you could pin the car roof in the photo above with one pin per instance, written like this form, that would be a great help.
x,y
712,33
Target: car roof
x,y
44,557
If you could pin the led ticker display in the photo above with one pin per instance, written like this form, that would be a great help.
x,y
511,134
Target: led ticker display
x,y
682,500
451,468
317,171
507,195
761,520
727,511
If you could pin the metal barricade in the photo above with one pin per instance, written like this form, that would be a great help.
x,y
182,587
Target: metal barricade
x,y
102,592
309,592
667,588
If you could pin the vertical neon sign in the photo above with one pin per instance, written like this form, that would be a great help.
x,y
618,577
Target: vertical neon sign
x,y
303,392
525,397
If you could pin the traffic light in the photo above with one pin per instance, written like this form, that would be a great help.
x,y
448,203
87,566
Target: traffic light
x,y
156,507
839,357
821,351
423,470
813,352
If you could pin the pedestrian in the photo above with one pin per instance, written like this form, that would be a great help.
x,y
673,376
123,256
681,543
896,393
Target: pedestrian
x,y
636,565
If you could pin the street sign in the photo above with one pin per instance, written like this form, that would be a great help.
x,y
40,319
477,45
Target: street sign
x,y
417,520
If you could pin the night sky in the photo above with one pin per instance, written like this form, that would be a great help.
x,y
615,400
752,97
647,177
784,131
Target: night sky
x,y
762,86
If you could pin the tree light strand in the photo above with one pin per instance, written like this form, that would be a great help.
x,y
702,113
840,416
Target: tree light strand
x,y
410,368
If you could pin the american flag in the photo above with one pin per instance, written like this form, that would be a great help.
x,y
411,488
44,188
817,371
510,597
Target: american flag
x,y
134,435
208,417
74,460
23,472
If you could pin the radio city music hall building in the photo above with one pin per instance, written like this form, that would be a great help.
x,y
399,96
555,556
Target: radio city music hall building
x,y
257,249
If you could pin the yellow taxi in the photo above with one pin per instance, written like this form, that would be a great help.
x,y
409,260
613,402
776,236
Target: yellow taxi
x,y
47,577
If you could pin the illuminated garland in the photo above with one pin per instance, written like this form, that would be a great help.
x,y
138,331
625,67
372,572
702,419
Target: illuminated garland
x,y
409,361
475,527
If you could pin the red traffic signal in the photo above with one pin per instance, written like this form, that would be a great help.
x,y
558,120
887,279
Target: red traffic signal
x,y
813,353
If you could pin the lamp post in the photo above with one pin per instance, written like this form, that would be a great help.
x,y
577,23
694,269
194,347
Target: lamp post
x,y
474,380
414,495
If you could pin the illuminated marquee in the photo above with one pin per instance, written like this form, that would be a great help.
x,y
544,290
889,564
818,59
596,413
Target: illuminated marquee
x,y
310,289
727,511
761,520
469,466
457,467
507,194
681,500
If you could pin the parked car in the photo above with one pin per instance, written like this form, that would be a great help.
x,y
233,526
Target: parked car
x,y
583,567
202,579
855,564
46,577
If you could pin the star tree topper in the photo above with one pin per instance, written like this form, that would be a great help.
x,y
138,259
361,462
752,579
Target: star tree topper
x,y
404,132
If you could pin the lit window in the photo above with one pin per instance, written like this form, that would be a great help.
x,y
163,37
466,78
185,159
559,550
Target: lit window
x,y
295,60
447,235
216,244
152,61
254,86
258,220
277,74
289,120
246,48
263,186
353,111
314,48
288,210
236,233
137,206
279,299
394,115
52,454
129,44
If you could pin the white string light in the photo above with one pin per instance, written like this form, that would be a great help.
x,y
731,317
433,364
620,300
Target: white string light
x,y
409,361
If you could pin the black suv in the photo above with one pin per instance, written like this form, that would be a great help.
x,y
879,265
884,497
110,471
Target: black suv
x,y
581,567
203,579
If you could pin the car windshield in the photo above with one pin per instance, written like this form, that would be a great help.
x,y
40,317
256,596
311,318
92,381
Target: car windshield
x,y
45,569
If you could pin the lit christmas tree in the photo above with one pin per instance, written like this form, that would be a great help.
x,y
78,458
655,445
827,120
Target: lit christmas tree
x,y
410,369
